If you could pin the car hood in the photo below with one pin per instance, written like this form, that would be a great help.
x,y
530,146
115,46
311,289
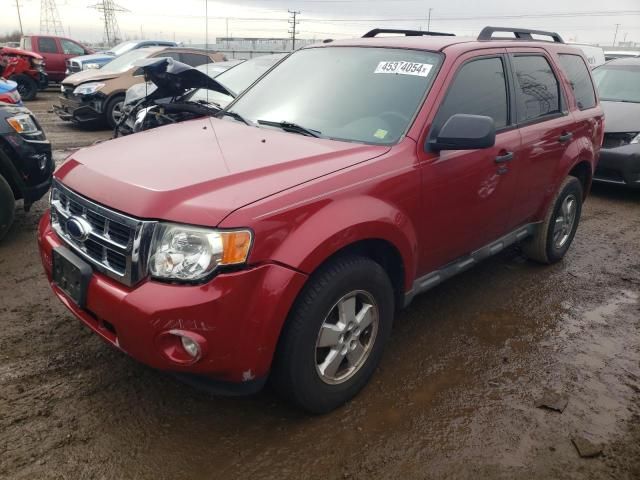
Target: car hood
x,y
19,51
7,86
174,78
200,171
621,117
89,76
93,58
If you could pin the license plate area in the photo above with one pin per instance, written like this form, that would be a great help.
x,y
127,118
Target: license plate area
x,y
71,274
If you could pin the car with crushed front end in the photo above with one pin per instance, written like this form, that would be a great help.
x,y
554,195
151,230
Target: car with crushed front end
x,y
175,92
618,83
277,239
95,97
26,164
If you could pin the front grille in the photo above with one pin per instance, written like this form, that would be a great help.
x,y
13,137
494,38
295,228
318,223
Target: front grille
x,y
116,244
615,140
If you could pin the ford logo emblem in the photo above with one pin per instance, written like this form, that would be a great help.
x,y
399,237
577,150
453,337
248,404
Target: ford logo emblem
x,y
78,228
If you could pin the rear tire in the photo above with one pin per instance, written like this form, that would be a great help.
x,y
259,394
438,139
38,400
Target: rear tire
x,y
335,334
27,86
555,235
113,111
7,207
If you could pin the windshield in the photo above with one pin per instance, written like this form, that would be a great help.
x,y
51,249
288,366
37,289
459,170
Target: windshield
x,y
121,48
618,83
125,62
236,79
367,95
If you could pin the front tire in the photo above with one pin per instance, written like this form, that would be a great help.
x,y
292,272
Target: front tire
x,y
27,86
7,207
114,111
335,334
555,235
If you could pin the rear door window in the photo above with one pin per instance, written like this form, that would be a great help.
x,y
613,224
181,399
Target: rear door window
x,y
47,45
479,88
578,74
537,88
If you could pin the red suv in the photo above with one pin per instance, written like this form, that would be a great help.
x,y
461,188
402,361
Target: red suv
x,y
279,238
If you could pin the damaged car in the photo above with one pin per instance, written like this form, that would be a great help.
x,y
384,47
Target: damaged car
x,y
176,92
618,83
94,97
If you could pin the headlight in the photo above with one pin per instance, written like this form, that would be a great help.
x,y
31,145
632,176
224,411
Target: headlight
x,y
636,139
180,252
91,66
88,88
37,61
23,124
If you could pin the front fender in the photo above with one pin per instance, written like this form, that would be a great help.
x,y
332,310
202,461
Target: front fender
x,y
305,242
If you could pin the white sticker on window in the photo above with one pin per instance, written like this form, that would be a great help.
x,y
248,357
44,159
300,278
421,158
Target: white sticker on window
x,y
404,68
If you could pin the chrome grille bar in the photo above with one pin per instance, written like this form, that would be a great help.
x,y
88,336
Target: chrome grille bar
x,y
117,245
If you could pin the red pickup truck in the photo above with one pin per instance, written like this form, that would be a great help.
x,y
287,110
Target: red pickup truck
x,y
277,239
56,51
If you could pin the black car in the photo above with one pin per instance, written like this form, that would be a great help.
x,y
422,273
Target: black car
x,y
618,83
26,164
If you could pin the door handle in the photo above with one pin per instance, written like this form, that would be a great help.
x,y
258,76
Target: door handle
x,y
565,137
504,158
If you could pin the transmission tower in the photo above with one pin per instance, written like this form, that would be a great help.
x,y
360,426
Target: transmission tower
x,y
49,18
111,29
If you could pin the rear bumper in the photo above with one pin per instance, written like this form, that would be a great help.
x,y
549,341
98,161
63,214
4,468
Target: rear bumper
x,y
81,111
239,314
619,165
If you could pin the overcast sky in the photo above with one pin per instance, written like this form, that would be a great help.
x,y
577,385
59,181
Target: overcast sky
x,y
588,21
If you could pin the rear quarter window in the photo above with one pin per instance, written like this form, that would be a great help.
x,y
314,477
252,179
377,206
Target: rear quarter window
x,y
578,75
537,88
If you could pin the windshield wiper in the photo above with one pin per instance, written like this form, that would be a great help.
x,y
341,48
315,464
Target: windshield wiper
x,y
292,127
235,115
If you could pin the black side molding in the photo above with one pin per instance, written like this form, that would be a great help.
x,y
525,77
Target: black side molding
x,y
427,282
407,33
519,33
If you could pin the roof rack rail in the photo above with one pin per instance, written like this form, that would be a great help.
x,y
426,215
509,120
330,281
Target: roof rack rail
x,y
520,34
407,33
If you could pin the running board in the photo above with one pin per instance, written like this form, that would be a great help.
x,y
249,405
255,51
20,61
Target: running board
x,y
436,277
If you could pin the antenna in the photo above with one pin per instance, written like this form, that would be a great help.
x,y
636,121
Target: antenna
x,y
108,8
49,18
294,23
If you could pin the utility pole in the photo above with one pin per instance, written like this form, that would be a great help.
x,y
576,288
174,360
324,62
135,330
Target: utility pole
x,y
615,35
49,18
429,20
19,16
111,29
294,24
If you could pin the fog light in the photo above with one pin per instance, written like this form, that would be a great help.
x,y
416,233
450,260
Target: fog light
x,y
191,347
182,347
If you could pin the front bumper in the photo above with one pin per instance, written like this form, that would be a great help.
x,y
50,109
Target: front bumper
x,y
239,314
80,110
32,167
620,165
43,81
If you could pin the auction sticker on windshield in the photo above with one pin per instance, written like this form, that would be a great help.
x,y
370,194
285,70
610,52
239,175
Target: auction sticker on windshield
x,y
404,68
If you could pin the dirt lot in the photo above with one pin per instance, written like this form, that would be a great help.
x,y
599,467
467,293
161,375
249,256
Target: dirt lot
x,y
455,396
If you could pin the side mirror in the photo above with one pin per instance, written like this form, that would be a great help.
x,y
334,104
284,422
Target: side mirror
x,y
465,132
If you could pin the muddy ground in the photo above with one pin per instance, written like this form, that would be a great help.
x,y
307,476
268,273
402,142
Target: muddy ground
x,y
454,398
